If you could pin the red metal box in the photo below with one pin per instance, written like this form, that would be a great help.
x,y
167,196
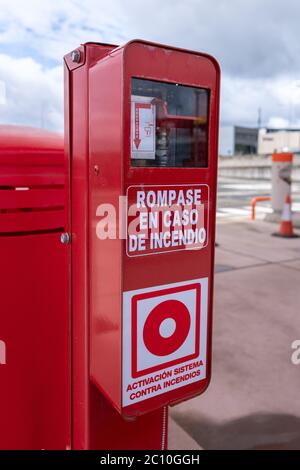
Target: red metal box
x,y
153,132
143,122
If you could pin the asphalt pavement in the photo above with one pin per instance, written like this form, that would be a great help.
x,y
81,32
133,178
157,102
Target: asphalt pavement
x,y
253,399
235,195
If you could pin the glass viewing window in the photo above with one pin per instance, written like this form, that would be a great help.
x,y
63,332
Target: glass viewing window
x,y
169,125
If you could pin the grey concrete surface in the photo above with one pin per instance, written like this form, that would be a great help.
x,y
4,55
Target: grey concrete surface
x,y
179,439
293,264
253,400
227,258
254,240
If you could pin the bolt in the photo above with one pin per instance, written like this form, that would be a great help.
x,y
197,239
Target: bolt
x,y
75,56
96,170
65,238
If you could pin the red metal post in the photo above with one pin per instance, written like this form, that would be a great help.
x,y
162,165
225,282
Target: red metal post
x,y
96,424
105,277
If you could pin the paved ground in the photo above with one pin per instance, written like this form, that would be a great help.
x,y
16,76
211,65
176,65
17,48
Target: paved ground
x,y
254,397
179,439
234,198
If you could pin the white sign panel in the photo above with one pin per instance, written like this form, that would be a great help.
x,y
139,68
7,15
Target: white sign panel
x,y
164,338
142,127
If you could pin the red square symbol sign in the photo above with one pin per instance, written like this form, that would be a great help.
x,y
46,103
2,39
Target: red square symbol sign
x,y
163,327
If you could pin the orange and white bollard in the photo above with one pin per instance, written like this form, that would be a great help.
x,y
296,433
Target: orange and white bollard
x,y
282,163
286,229
281,179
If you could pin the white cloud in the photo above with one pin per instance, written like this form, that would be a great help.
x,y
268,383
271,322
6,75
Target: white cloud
x,y
278,122
34,95
2,92
249,37
51,28
259,59
278,100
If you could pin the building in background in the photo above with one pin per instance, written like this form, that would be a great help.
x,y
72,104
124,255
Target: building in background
x,y
278,140
237,140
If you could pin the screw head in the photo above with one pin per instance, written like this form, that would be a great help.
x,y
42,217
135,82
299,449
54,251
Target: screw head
x,y
75,56
65,238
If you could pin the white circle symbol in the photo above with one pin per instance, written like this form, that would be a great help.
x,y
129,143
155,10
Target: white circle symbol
x,y
167,327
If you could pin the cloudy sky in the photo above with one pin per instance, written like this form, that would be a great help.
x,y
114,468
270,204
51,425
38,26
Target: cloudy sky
x,y
257,43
